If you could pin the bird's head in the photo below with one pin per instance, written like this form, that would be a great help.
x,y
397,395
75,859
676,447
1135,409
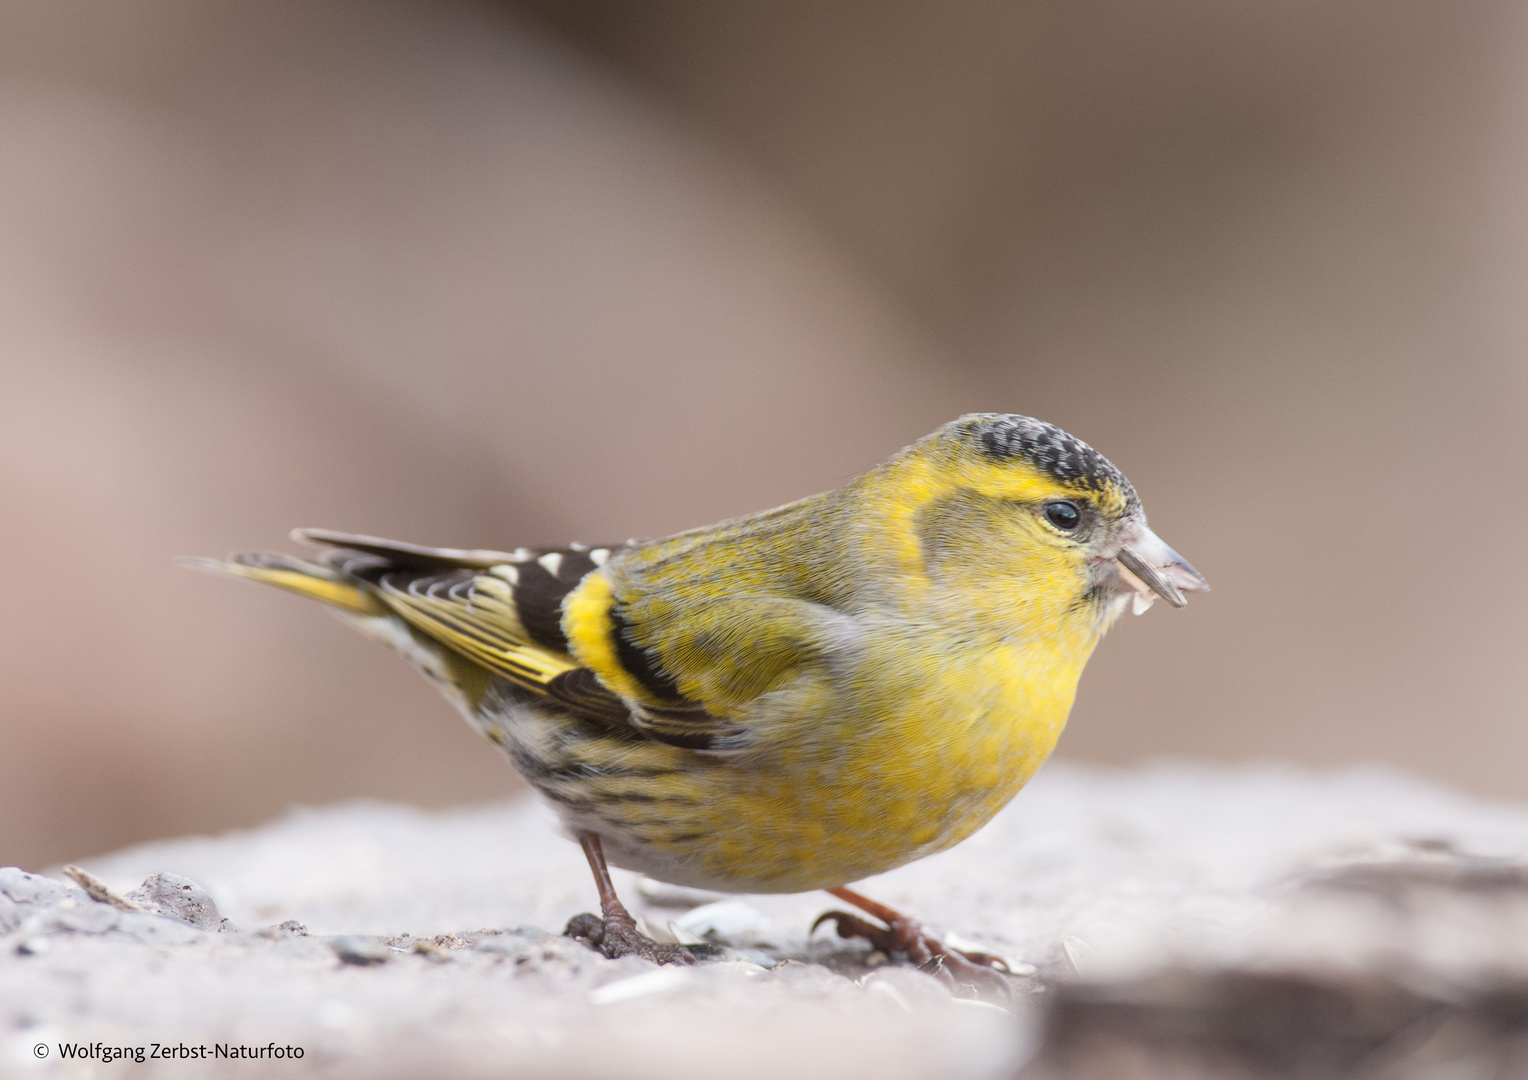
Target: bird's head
x,y
1017,504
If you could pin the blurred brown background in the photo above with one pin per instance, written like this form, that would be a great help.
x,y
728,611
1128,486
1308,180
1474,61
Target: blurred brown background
x,y
493,274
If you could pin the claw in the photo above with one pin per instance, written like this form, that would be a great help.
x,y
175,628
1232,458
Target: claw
x,y
616,937
852,926
906,937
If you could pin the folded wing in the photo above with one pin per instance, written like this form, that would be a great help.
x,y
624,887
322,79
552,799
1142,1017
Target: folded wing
x,y
501,610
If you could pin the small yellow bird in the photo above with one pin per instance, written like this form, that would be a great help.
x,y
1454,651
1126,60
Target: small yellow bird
x,y
789,701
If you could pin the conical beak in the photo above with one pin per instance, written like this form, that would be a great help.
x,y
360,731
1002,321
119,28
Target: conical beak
x,y
1153,569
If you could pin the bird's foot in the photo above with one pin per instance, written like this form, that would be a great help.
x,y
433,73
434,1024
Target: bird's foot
x,y
907,938
617,935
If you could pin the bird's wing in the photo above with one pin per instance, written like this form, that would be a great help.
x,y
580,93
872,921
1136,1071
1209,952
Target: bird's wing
x,y
502,610
505,610
690,679
697,673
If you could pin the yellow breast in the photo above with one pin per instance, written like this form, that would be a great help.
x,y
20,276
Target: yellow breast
x,y
918,766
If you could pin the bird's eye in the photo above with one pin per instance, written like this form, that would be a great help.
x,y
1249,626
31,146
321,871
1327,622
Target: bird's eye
x,y
1063,515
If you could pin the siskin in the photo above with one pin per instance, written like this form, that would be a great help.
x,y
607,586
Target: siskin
x,y
789,701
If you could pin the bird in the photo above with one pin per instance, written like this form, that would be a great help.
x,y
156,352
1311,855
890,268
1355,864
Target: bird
x,y
789,701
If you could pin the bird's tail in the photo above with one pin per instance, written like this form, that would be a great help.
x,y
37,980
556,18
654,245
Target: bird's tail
x,y
309,579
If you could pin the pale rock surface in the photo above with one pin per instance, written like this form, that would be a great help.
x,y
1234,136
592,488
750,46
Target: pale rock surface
x,y
385,940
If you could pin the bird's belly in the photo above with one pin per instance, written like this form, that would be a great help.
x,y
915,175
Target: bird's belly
x,y
826,815
844,800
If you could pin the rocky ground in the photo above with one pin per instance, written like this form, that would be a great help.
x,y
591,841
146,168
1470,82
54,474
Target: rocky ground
x,y
1168,921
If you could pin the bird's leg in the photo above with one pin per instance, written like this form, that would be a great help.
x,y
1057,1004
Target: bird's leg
x,y
616,934
906,936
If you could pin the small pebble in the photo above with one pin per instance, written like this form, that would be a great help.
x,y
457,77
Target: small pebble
x,y
432,951
177,897
31,946
359,950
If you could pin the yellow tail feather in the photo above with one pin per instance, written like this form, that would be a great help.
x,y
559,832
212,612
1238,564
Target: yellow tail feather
x,y
295,575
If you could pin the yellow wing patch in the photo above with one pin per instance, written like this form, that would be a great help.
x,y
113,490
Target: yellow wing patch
x,y
591,635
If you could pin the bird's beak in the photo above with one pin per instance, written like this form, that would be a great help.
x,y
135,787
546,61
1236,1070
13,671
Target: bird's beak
x,y
1153,569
